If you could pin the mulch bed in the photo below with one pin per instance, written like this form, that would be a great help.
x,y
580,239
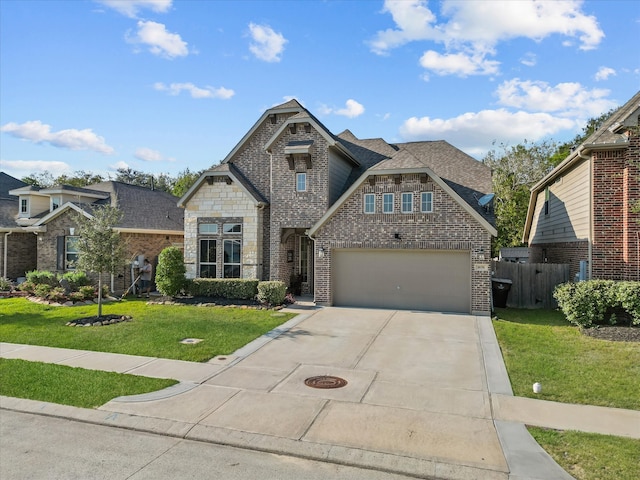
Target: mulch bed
x,y
613,333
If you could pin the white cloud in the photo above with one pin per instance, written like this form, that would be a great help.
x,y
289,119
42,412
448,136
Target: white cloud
x,y
469,31
38,132
474,132
149,155
159,40
529,59
119,165
22,168
604,73
352,109
267,45
195,92
570,99
459,64
130,8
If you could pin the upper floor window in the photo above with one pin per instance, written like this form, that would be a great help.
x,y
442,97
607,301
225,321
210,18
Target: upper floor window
x,y
232,228
208,228
24,205
369,203
407,202
301,182
426,202
387,203
55,202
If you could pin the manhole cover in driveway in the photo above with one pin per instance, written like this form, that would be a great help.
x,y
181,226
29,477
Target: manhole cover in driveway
x,y
325,381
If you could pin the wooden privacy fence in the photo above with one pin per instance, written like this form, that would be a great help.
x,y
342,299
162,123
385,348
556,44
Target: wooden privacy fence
x,y
533,283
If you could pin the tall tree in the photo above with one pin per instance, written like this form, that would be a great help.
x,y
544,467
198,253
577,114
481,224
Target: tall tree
x,y
79,178
40,180
515,170
101,249
184,181
162,181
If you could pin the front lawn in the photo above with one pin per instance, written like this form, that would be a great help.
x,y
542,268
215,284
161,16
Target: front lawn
x,y
541,346
155,331
589,456
71,386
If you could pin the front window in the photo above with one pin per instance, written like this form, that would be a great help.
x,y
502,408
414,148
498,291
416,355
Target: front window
x,y
387,203
71,253
24,205
208,228
407,202
208,256
369,203
232,228
232,250
301,182
426,202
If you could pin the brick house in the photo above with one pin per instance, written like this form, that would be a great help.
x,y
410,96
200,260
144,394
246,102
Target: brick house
x,y
353,222
151,222
582,212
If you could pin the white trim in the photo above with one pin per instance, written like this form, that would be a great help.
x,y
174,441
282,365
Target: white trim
x,y
402,209
306,185
393,199
215,173
364,203
422,202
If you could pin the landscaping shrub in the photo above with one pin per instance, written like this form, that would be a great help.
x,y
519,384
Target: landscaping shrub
x,y
272,293
38,277
57,294
28,287
76,279
5,284
593,302
170,272
87,292
76,296
231,288
42,290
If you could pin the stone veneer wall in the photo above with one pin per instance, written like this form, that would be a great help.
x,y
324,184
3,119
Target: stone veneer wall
x,y
21,254
450,227
222,201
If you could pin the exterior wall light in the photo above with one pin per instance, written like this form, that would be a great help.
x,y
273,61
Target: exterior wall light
x,y
321,252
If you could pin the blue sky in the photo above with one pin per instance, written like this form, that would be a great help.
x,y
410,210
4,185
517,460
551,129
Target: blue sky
x,y
162,85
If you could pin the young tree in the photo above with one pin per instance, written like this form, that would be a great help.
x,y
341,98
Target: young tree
x,y
101,249
515,170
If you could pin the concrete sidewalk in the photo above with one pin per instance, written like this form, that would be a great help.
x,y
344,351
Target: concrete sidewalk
x,y
427,395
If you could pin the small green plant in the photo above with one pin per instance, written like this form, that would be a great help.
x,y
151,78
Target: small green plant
x,y
170,279
42,290
76,279
5,285
38,277
87,292
272,293
28,287
57,294
76,296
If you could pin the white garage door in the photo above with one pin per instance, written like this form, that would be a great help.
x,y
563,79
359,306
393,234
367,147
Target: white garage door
x,y
402,279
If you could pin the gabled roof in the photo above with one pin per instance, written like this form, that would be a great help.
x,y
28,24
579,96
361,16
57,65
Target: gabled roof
x,y
142,209
405,163
611,135
7,182
224,170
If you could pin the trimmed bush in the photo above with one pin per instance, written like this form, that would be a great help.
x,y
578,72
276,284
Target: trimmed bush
x,y
42,290
57,295
76,279
38,277
272,293
594,302
87,292
5,284
231,288
28,287
170,272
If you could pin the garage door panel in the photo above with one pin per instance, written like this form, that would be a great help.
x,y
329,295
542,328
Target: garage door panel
x,y
403,279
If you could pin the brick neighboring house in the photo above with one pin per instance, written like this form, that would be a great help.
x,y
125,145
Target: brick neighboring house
x,y
355,222
151,222
583,210
17,247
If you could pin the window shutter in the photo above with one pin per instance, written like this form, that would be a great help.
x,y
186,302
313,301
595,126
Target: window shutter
x,y
60,252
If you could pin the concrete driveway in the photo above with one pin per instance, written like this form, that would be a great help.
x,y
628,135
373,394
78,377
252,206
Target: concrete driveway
x,y
416,399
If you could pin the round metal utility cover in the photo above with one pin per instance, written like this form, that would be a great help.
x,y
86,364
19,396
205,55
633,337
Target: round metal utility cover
x,y
325,381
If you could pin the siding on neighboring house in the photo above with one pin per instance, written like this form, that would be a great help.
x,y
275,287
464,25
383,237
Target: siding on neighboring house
x,y
568,219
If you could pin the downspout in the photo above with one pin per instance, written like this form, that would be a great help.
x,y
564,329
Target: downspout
x,y
591,229
6,236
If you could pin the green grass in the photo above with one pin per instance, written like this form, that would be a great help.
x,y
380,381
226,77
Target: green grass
x,y
155,331
71,386
541,346
589,456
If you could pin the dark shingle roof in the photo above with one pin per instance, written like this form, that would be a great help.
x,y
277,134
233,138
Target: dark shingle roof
x,y
604,134
7,182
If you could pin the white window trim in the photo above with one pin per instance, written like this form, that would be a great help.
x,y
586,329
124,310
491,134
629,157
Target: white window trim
x,y
402,209
422,202
384,195
215,232
298,176
364,206
26,210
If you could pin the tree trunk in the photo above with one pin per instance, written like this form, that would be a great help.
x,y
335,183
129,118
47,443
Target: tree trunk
x,y
99,295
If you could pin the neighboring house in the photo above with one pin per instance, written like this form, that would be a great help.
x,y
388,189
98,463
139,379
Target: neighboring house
x,y
583,210
151,221
17,247
514,254
355,222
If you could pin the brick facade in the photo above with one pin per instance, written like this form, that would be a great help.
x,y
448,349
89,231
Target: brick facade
x,y
616,190
562,252
21,254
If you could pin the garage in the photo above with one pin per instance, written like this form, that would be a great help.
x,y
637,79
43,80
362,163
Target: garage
x,y
433,280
